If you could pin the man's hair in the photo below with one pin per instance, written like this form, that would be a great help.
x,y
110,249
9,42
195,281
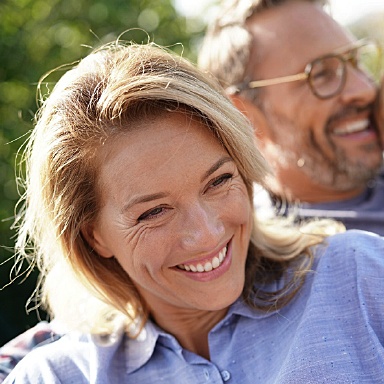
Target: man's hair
x,y
226,49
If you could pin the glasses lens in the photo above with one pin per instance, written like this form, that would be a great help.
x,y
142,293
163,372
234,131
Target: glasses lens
x,y
327,76
369,59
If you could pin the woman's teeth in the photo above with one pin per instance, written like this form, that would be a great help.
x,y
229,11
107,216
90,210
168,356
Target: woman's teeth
x,y
207,266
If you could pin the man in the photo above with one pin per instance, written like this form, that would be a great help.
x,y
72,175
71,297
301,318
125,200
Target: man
x,y
294,71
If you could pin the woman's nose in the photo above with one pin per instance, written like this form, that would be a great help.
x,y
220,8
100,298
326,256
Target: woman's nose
x,y
202,228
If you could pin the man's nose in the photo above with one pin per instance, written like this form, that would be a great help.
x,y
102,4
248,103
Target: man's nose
x,y
360,89
202,228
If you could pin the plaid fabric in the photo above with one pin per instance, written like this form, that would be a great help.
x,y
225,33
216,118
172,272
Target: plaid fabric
x,y
12,352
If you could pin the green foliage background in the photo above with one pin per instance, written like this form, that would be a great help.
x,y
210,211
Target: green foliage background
x,y
35,37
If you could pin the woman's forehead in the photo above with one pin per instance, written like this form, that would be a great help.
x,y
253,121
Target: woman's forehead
x,y
159,148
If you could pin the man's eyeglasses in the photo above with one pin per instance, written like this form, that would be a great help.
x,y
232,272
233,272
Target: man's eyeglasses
x,y
327,74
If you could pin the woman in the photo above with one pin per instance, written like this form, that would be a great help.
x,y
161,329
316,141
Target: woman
x,y
138,210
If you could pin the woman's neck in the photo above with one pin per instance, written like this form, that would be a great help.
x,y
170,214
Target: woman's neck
x,y
190,327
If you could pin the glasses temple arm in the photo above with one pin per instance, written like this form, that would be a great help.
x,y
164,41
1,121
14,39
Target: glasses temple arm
x,y
278,80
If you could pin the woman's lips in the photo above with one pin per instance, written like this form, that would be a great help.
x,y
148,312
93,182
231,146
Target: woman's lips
x,y
207,266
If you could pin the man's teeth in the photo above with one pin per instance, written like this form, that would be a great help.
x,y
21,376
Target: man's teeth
x,y
208,265
357,126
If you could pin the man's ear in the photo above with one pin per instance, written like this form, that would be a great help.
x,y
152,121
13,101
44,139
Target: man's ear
x,y
254,114
95,241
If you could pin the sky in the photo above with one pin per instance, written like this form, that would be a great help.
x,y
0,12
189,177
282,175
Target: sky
x,y
345,11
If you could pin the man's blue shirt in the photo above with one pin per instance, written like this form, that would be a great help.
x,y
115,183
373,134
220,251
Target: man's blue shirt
x,y
364,212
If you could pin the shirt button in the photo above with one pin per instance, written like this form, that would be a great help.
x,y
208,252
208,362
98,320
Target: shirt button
x,y
206,374
225,375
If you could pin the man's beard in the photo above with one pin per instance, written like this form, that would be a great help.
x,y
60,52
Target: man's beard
x,y
339,173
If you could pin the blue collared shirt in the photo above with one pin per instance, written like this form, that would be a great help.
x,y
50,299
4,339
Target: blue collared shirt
x,y
364,212
332,332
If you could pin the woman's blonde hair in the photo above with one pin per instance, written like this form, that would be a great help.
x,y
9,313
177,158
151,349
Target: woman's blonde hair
x,y
107,93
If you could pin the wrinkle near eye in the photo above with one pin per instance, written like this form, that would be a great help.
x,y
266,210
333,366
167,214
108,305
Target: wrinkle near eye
x,y
136,235
238,184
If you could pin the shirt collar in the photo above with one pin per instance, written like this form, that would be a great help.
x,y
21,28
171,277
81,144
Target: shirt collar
x,y
138,351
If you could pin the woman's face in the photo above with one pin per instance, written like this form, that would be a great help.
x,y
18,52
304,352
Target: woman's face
x,y
175,214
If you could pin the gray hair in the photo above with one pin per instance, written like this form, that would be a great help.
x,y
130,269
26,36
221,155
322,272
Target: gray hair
x,y
226,49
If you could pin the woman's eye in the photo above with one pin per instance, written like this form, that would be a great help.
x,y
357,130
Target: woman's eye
x,y
152,213
221,180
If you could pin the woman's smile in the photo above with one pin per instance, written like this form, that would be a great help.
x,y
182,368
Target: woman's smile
x,y
206,266
210,268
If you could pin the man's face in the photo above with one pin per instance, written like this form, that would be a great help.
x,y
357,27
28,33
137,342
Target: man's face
x,y
320,150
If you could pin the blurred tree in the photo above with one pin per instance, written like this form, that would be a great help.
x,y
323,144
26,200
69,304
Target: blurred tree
x,y
35,37
372,26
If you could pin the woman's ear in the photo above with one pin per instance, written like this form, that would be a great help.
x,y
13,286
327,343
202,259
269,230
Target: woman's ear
x,y
95,241
254,114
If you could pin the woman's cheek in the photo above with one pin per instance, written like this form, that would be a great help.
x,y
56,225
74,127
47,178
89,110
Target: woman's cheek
x,y
146,250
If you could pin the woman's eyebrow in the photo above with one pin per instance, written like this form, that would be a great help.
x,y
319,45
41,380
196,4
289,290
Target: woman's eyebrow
x,y
156,196
216,166
143,199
